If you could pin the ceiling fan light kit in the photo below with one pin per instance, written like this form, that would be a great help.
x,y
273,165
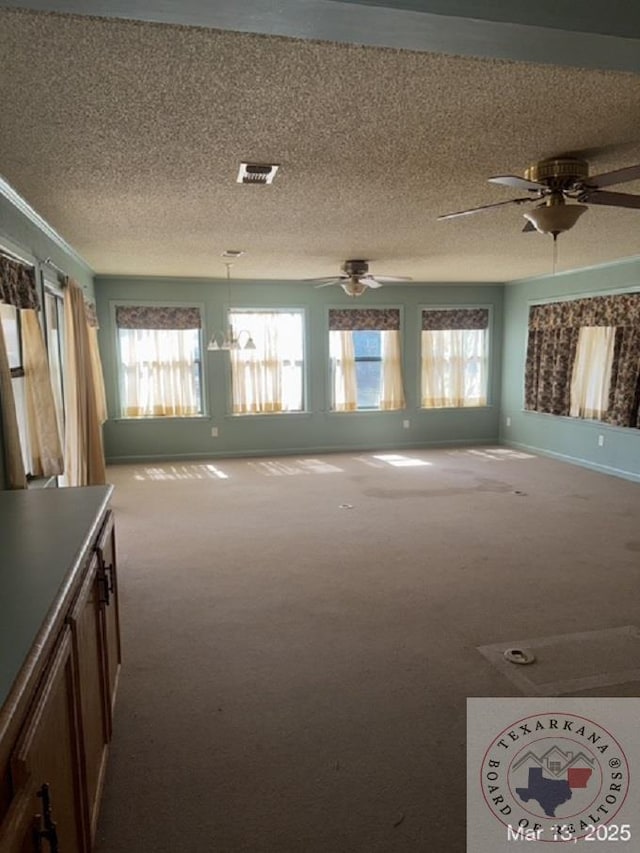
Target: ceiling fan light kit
x,y
555,218
356,278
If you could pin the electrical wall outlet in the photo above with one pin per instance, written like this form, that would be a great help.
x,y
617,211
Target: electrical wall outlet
x,y
600,440
214,432
508,421
406,424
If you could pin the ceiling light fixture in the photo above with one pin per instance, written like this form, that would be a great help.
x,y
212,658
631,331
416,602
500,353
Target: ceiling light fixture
x,y
229,340
353,287
555,217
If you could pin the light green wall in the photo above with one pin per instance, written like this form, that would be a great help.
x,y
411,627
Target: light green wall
x,y
570,438
315,430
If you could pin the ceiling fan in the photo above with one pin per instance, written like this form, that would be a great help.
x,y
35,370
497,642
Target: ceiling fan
x,y
552,182
356,278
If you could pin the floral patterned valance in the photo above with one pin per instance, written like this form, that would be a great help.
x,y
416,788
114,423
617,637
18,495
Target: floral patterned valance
x,y
18,284
439,319
90,311
155,317
364,319
621,309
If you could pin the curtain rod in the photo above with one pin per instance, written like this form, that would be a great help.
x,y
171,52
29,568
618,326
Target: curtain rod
x,y
48,262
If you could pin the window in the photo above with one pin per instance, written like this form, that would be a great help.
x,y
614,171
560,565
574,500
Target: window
x,y
159,361
267,379
591,375
365,359
10,318
54,329
454,358
583,358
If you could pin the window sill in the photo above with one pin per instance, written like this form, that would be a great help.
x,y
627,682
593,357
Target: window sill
x,y
587,422
160,419
235,415
367,412
455,408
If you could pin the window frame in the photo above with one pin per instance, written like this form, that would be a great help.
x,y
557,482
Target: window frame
x,y
117,384
230,309
572,297
462,306
328,386
51,287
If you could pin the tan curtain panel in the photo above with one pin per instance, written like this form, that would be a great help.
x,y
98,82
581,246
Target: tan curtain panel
x,y
44,439
98,376
13,464
437,319
364,319
345,383
84,454
157,317
18,284
391,387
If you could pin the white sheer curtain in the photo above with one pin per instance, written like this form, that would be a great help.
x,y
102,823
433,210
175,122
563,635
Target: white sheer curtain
x,y
454,368
159,372
267,379
391,386
591,375
343,359
44,439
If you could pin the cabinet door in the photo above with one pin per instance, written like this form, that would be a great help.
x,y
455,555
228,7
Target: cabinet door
x,y
47,756
86,621
23,824
106,551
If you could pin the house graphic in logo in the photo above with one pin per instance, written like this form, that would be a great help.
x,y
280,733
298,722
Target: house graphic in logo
x,y
568,771
557,763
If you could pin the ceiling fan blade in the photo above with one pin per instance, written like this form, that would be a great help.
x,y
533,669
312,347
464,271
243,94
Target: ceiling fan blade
x,y
619,176
387,278
529,227
613,199
370,281
516,182
331,281
327,278
484,207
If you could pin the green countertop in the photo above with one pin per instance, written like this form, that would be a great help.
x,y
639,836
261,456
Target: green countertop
x,y
45,536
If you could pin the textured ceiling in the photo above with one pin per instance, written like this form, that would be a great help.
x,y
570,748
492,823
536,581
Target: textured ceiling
x,y
127,137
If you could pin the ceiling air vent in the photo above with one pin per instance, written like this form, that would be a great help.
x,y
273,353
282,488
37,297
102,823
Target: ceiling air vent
x,y
256,173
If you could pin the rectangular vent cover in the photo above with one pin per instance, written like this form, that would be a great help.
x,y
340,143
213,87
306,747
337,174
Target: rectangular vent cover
x,y
256,173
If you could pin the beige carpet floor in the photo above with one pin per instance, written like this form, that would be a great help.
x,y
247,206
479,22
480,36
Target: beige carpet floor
x,y
300,636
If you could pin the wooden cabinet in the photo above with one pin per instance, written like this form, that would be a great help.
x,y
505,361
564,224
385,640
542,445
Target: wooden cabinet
x,y
106,553
48,754
56,720
87,626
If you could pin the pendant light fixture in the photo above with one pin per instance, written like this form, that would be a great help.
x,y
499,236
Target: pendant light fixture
x,y
229,340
